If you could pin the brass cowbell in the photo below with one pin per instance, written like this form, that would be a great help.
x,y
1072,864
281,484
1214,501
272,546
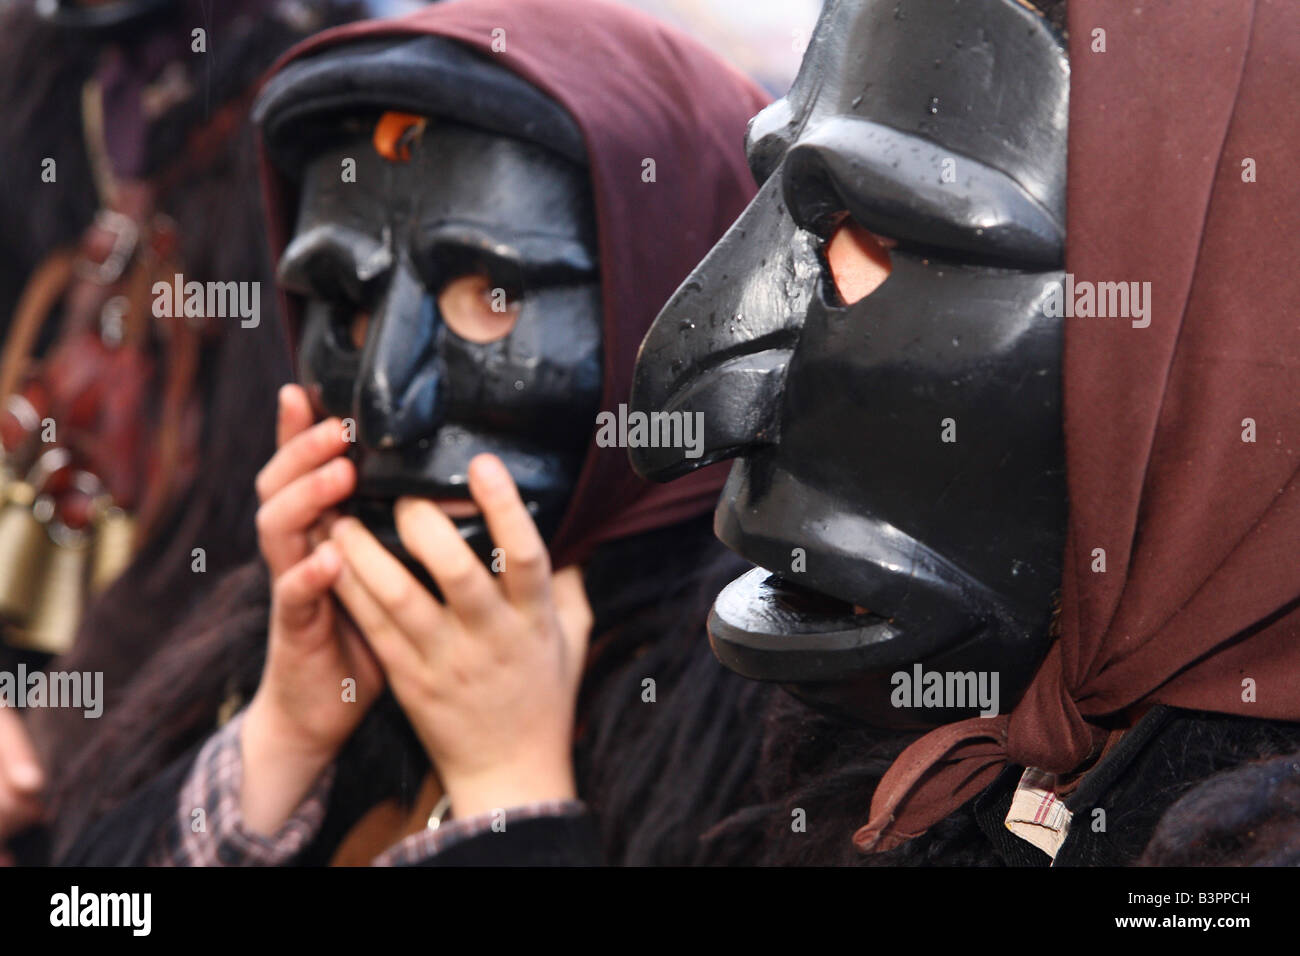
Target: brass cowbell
x,y
114,545
61,597
25,548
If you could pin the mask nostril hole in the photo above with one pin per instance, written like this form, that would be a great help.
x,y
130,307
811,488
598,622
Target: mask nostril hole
x,y
358,329
349,326
858,261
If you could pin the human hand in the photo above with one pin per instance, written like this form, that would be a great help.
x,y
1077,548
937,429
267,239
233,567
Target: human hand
x,y
299,718
22,780
489,678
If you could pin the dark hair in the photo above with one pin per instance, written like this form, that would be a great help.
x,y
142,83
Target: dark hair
x,y
41,94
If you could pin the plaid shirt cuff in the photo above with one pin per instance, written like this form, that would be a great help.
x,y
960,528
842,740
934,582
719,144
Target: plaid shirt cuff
x,y
208,827
1037,815
428,843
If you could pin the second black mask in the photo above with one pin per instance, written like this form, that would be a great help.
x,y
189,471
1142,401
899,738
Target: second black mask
x,y
452,307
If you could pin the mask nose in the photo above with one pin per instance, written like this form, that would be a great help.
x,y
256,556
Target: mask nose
x,y
398,398
721,345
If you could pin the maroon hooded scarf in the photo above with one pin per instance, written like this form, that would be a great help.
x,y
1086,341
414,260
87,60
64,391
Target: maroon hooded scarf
x,y
637,89
1182,438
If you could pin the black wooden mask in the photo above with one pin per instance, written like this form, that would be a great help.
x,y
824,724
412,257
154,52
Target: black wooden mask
x,y
385,230
882,542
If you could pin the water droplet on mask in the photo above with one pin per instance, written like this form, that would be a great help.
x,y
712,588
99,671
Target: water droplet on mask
x,y
934,105
519,385
675,366
857,101
686,325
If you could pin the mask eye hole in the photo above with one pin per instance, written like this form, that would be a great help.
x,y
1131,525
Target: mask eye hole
x,y
858,260
477,310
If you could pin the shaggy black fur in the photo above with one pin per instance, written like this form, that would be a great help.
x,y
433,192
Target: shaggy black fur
x,y
829,768
1244,817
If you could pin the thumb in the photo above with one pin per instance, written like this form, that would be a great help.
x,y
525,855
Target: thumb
x,y
18,762
573,610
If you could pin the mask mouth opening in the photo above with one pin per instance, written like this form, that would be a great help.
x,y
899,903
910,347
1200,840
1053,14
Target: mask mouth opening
x,y
764,627
810,603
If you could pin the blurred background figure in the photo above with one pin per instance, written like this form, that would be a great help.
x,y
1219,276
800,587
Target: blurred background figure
x,y
128,441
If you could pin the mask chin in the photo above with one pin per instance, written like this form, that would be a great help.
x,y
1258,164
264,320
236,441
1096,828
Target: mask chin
x,y
846,660
854,606
545,479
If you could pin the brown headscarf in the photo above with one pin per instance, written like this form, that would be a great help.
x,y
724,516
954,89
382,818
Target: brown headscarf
x,y
1201,590
638,90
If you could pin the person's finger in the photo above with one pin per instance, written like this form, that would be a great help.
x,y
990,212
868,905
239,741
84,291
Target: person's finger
x,y
293,413
320,531
403,599
306,450
356,649
284,521
574,611
465,583
298,592
20,768
396,652
527,573
17,813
